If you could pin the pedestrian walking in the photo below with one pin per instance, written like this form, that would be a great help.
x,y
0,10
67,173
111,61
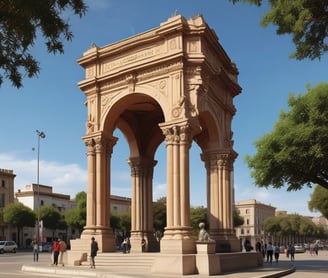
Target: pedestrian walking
x,y
62,250
35,247
316,249
93,252
292,252
269,252
55,250
276,252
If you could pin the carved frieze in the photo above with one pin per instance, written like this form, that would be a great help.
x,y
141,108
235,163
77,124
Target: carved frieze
x,y
124,60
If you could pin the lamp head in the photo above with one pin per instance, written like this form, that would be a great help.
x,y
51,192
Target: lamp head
x,y
41,134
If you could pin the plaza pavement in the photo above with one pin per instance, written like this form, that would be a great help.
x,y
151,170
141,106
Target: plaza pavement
x,y
284,267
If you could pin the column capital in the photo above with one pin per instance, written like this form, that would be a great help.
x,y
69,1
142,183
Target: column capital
x,y
100,142
177,133
219,159
141,164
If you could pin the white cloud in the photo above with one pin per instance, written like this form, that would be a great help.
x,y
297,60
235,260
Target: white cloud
x,y
159,190
64,178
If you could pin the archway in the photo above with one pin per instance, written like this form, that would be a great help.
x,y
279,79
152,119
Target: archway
x,y
173,83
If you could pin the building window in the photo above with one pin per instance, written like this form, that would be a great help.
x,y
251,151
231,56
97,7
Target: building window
x,y
42,203
2,200
248,232
247,211
242,231
247,221
3,183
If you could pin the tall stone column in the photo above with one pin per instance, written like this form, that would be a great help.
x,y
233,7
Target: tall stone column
x,y
178,244
142,237
91,190
219,167
177,236
98,196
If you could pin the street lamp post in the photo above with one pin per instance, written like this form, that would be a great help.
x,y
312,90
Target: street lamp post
x,y
40,134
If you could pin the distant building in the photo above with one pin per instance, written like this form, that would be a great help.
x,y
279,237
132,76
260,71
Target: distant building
x,y
254,214
120,204
35,196
6,197
42,195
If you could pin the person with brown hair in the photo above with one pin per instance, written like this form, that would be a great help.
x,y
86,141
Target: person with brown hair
x,y
62,249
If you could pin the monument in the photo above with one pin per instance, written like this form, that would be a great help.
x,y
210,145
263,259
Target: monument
x,y
174,83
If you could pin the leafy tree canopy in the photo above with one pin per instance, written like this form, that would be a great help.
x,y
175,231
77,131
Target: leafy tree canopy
x,y
319,201
159,210
198,215
19,215
292,224
76,217
237,219
305,20
295,153
51,217
21,22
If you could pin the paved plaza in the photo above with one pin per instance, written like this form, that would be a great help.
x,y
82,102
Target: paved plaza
x,y
303,266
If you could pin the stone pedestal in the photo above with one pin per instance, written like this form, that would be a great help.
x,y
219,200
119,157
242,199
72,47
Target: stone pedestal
x,y
207,262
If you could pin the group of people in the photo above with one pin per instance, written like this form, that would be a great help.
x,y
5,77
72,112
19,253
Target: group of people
x,y
271,251
58,248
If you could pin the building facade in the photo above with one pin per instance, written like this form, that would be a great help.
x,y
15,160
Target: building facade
x,y
254,214
7,178
35,196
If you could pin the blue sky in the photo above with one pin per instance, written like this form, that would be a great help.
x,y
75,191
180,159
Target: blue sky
x,y
54,104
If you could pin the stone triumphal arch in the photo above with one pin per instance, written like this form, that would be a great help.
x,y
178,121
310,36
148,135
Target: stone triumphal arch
x,y
174,83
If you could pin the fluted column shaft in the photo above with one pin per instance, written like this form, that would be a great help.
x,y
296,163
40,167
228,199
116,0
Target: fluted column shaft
x,y
91,195
219,167
178,142
99,149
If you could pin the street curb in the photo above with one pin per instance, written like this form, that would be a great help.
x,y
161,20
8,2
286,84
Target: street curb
x,y
279,273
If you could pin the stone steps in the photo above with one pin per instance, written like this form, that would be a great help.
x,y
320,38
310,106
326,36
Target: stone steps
x,y
138,261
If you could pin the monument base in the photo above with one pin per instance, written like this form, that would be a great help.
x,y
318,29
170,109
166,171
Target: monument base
x,y
175,264
208,263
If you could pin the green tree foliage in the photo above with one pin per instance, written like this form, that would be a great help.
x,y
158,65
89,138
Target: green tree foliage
x,y
76,217
305,20
20,24
237,219
292,225
296,151
19,216
159,211
121,222
319,201
52,218
125,222
198,215
115,221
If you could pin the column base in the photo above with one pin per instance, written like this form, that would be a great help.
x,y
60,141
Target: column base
x,y
178,244
143,242
226,242
104,237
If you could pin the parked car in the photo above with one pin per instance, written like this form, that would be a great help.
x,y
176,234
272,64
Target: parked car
x,y
46,247
8,246
299,248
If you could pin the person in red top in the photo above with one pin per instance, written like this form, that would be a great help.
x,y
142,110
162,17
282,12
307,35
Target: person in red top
x,y
55,250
